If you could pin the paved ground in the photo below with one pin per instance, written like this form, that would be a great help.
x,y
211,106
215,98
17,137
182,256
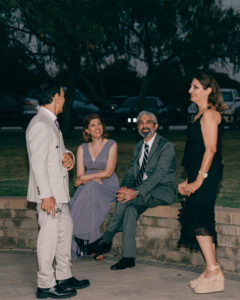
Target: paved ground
x,y
148,280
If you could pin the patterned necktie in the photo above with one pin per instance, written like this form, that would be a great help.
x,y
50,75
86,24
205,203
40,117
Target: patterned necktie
x,y
57,124
139,178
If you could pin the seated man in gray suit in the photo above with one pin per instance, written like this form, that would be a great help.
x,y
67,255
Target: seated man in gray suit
x,y
149,182
49,163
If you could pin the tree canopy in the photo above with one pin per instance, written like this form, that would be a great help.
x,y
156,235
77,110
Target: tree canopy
x,y
71,39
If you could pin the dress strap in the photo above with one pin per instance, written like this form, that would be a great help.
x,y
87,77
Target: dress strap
x,y
84,145
110,143
200,116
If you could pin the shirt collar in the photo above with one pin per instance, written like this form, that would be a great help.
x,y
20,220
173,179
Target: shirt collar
x,y
53,117
150,142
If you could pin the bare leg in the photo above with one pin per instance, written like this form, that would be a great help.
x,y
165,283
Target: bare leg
x,y
194,283
212,279
208,250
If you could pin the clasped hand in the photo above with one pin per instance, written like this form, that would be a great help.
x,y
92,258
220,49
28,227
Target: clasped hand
x,y
124,194
186,189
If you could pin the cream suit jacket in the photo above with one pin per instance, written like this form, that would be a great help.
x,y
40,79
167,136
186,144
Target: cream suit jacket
x,y
47,176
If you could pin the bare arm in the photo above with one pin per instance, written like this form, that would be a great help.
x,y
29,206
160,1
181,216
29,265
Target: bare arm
x,y
80,163
80,167
110,167
209,127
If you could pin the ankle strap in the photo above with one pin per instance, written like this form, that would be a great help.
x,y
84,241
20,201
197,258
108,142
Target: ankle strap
x,y
213,267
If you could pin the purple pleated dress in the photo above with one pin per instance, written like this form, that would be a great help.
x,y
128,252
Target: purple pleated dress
x,y
91,202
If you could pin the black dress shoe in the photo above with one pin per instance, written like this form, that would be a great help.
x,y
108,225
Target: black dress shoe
x,y
125,262
99,247
73,283
55,292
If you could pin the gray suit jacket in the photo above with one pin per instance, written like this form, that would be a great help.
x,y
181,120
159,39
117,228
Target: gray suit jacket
x,y
160,170
47,176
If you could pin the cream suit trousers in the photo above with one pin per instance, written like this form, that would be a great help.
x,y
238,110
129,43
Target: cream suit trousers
x,y
54,245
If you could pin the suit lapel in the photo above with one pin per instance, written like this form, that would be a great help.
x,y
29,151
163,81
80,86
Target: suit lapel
x,y
58,133
154,147
136,164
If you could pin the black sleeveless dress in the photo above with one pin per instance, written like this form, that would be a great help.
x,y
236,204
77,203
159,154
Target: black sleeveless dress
x,y
197,214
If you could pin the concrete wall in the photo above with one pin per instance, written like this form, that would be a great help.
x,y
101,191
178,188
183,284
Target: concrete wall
x,y
157,233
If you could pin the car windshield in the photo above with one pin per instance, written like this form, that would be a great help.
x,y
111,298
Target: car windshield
x,y
32,95
150,102
117,99
227,96
82,97
79,96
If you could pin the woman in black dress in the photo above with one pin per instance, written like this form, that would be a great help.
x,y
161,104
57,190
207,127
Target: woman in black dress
x,y
202,160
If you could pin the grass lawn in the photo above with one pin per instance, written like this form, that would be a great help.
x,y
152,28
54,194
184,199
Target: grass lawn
x,y
14,161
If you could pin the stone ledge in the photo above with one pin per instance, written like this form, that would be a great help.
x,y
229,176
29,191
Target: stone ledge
x,y
224,215
13,203
157,233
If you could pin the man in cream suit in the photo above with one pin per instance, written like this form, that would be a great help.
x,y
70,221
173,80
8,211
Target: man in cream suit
x,y
150,181
49,163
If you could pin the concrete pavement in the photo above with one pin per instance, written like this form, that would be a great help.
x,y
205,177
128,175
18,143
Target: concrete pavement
x,y
148,280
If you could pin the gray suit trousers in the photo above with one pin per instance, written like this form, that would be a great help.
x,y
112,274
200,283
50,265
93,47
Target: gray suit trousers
x,y
125,218
54,245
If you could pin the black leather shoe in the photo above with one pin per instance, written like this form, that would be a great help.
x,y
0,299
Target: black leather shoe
x,y
55,292
125,262
99,246
73,283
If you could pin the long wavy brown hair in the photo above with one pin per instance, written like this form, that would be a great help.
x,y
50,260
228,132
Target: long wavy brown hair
x,y
86,121
215,98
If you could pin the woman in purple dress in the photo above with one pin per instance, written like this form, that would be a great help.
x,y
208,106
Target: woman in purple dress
x,y
96,184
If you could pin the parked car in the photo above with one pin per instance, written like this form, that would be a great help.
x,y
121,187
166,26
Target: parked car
x,y
231,116
115,102
80,108
10,110
126,115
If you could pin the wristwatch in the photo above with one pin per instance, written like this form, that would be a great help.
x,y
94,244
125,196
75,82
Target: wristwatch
x,y
205,175
136,193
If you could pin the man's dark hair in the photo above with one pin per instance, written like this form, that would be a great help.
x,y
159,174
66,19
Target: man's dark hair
x,y
47,91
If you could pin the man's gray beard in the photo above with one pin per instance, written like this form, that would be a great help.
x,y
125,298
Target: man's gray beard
x,y
147,134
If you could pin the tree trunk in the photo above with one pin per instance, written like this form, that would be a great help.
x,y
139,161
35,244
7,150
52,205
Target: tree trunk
x,y
99,101
143,90
68,118
147,78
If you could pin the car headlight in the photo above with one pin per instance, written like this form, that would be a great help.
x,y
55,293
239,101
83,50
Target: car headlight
x,y
129,120
134,120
